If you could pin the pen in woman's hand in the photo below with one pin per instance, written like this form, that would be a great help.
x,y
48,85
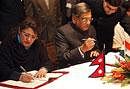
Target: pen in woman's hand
x,y
24,70
26,77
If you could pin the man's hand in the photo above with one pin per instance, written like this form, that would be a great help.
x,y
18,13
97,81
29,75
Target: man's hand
x,y
87,45
94,54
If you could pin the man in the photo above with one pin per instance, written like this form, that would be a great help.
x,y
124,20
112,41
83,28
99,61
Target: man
x,y
75,40
106,14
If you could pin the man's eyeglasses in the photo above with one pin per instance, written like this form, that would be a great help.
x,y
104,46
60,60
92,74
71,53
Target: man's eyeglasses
x,y
27,35
86,19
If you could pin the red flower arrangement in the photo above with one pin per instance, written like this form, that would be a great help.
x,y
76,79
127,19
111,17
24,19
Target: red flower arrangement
x,y
120,74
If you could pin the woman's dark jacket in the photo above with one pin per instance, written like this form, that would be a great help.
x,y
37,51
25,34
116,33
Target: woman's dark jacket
x,y
13,55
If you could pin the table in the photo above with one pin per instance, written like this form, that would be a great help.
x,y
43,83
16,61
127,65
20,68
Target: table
x,y
77,78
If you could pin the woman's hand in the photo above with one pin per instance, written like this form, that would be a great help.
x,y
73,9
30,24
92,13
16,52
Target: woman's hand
x,y
41,73
26,77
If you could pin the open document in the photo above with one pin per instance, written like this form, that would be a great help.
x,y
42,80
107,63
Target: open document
x,y
36,83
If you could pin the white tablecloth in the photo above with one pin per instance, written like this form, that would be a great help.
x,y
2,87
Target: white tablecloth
x,y
77,78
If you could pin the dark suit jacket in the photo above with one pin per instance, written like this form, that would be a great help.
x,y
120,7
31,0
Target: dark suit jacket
x,y
68,39
126,23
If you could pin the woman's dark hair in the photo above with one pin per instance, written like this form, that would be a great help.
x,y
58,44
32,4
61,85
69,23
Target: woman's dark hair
x,y
80,8
30,22
115,3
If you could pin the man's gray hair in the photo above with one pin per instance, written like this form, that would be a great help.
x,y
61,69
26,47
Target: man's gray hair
x,y
80,8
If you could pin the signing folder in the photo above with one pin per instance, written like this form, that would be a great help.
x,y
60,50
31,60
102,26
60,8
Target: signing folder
x,y
36,83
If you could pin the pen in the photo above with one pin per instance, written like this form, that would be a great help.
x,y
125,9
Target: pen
x,y
86,39
24,70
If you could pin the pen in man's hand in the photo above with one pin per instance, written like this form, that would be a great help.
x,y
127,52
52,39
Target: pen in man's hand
x,y
86,39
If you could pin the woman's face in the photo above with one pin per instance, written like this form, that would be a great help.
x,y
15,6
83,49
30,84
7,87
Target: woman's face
x,y
27,37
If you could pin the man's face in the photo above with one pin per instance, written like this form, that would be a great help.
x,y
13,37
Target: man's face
x,y
83,21
27,37
109,9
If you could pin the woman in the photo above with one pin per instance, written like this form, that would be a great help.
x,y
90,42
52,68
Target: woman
x,y
23,50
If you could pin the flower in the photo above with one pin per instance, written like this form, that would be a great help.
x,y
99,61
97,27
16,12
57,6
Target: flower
x,y
121,72
118,75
